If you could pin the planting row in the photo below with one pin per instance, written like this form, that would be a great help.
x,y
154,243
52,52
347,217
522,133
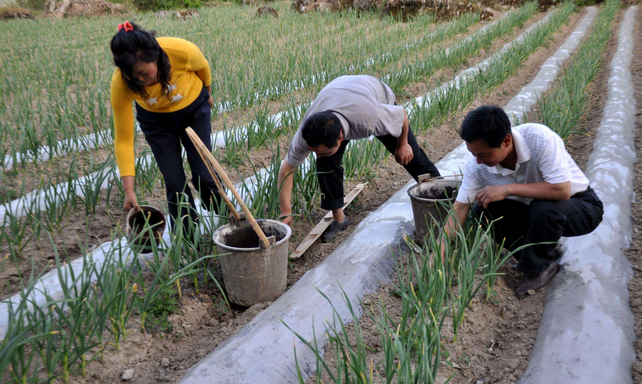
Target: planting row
x,y
410,344
307,187
485,77
47,208
55,97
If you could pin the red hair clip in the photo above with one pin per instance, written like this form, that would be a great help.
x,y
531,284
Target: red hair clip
x,y
127,26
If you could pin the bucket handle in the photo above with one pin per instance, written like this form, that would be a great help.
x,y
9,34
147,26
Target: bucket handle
x,y
210,162
426,177
271,240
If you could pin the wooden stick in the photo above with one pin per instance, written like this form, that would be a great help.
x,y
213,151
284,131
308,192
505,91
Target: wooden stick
x,y
206,153
323,224
203,151
426,177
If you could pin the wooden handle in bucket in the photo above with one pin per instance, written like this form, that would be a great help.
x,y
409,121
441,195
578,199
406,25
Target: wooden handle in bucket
x,y
203,152
210,161
426,177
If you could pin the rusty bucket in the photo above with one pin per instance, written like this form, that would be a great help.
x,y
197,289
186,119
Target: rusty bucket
x,y
252,272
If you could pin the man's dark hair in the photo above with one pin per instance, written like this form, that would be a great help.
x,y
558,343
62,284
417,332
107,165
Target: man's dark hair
x,y
322,128
131,47
488,123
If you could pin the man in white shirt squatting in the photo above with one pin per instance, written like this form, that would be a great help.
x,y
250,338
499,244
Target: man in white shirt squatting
x,y
526,180
348,108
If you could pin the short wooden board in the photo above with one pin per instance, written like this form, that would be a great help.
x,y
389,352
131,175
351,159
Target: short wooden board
x,y
318,230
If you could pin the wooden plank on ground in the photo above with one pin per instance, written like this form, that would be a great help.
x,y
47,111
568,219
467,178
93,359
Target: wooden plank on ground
x,y
316,232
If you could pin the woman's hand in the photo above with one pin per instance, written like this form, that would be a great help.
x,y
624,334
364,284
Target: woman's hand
x,y
130,201
211,100
130,194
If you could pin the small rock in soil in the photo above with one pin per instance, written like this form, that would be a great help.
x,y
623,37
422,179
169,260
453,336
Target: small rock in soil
x,y
164,362
97,375
128,375
531,292
480,382
213,322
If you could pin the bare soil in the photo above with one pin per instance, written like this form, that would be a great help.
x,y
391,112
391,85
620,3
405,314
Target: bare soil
x,y
86,8
76,234
634,253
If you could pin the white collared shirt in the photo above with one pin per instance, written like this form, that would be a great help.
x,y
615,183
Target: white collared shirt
x,y
541,156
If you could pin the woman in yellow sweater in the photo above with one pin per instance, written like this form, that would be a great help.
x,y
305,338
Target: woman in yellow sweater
x,y
169,80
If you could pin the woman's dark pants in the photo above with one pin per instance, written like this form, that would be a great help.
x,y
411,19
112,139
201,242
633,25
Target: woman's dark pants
x,y
542,221
330,171
165,133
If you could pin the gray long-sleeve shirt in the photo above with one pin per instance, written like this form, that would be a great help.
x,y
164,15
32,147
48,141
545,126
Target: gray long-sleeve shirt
x,y
365,101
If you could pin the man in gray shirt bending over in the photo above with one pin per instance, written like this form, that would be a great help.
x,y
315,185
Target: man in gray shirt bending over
x,y
349,108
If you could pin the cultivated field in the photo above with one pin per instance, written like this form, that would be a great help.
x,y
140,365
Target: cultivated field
x,y
160,314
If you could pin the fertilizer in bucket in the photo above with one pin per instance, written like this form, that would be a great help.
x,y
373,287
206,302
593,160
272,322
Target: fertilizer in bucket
x,y
141,222
246,237
253,273
431,203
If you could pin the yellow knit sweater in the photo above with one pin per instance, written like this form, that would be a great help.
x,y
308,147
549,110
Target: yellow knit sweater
x,y
190,73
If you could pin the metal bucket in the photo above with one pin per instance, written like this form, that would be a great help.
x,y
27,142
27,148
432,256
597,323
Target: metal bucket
x,y
431,203
136,221
253,273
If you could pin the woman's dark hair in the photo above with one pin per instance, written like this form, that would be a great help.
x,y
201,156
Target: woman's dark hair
x,y
135,46
322,128
488,123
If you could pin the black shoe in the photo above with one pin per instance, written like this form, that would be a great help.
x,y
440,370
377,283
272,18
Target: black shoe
x,y
558,251
334,229
534,283
558,255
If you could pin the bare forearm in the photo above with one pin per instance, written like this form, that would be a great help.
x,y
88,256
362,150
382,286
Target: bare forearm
x,y
403,138
457,218
286,176
541,191
128,183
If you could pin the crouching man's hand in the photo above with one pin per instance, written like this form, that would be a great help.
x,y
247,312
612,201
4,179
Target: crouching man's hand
x,y
490,194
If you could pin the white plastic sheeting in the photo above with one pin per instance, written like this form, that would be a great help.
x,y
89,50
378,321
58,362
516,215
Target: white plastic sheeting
x,y
262,351
586,333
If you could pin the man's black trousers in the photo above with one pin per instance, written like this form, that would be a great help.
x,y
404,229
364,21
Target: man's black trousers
x,y
330,171
165,132
542,221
